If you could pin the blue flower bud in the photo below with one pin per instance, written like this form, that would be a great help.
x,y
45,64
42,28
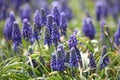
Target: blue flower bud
x,y
92,61
43,17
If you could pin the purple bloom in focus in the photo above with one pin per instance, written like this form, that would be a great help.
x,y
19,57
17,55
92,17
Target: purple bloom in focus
x,y
72,42
53,62
73,58
60,61
104,58
26,30
49,22
43,17
117,35
88,28
16,37
56,14
25,12
63,23
92,61
47,39
55,34
8,28
37,19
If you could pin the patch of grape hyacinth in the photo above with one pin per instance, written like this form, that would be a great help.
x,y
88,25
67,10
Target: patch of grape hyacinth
x,y
72,42
8,28
53,62
37,20
25,12
55,34
117,35
73,61
16,37
47,39
43,17
49,22
27,30
104,58
63,23
59,60
88,28
56,15
92,63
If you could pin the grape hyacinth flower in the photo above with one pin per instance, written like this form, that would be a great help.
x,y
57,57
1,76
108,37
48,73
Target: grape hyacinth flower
x,y
27,30
92,63
104,58
37,19
55,34
49,22
16,37
88,28
53,62
8,28
67,57
43,17
59,60
36,34
47,39
63,23
25,12
117,35
56,14
72,42
73,58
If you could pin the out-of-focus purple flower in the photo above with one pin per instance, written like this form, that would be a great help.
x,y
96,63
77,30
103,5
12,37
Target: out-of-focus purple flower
x,y
56,15
36,33
78,54
67,57
117,35
72,42
26,30
49,22
60,61
92,61
65,8
88,28
73,58
47,39
63,23
56,3
16,37
53,62
43,17
37,20
55,34
104,58
25,12
8,28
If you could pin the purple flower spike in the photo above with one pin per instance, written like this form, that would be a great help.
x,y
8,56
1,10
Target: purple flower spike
x,y
104,58
43,17
26,30
60,61
92,61
25,12
37,19
72,42
16,37
8,28
63,23
49,22
56,14
53,62
55,34
88,28
73,58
